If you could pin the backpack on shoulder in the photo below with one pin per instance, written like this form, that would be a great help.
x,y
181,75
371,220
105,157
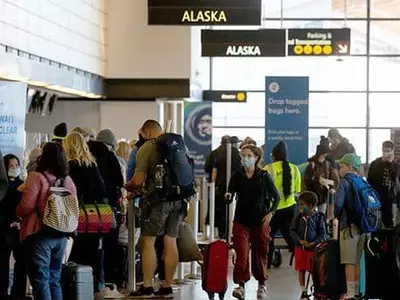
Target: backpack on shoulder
x,y
174,178
61,211
365,207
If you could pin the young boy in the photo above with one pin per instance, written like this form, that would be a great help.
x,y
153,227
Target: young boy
x,y
308,229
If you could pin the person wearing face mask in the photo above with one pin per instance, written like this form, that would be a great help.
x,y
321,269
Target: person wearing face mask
x,y
384,177
257,200
308,229
9,233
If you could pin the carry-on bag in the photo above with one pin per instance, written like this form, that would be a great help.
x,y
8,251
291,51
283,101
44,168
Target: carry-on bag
x,y
215,265
327,272
77,282
96,218
379,271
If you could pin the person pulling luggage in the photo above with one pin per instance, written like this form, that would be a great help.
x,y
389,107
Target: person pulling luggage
x,y
257,199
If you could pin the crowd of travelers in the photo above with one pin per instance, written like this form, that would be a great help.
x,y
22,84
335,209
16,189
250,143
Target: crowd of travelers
x,y
270,197
277,196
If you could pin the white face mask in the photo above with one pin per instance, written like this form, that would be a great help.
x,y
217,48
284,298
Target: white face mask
x,y
14,173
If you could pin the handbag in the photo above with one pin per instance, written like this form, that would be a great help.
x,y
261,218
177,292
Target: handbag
x,y
95,218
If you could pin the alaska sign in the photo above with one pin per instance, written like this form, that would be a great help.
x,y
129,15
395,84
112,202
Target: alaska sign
x,y
243,43
204,12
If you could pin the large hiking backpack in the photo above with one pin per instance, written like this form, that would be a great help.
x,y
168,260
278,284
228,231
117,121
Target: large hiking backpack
x,y
365,207
174,177
61,211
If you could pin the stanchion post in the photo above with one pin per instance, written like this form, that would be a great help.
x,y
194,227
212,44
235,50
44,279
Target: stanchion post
x,y
131,246
212,212
228,178
204,205
195,226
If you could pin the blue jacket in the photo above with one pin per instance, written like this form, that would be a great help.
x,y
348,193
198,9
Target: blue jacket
x,y
311,229
130,170
344,196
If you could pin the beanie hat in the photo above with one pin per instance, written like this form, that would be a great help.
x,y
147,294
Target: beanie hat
x,y
322,149
107,136
60,131
279,152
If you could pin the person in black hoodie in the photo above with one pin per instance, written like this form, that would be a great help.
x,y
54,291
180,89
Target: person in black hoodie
x,y
257,200
9,233
384,177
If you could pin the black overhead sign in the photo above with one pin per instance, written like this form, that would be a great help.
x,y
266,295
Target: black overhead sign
x,y
225,96
318,42
243,43
204,12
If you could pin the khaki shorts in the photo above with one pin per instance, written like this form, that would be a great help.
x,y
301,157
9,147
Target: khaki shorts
x,y
163,218
351,245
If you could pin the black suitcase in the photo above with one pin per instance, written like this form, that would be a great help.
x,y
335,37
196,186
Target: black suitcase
x,y
77,282
327,272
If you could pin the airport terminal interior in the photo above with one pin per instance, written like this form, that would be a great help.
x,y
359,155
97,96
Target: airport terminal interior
x,y
294,76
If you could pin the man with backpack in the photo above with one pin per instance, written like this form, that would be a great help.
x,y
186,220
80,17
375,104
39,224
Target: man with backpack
x,y
358,210
165,175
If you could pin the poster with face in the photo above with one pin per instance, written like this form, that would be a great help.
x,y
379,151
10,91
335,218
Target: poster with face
x,y
198,132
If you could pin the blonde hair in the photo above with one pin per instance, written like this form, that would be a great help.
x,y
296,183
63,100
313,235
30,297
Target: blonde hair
x,y
82,131
123,150
77,149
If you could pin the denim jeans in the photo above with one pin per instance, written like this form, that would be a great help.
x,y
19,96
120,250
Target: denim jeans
x,y
44,266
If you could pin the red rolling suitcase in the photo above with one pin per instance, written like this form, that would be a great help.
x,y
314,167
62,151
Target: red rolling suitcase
x,y
215,266
215,269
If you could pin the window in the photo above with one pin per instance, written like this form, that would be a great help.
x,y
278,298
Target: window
x,y
383,74
313,8
385,37
326,109
384,109
385,9
258,134
376,138
326,73
251,113
356,136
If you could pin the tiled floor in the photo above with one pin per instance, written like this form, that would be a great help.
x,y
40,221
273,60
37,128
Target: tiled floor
x,y
282,285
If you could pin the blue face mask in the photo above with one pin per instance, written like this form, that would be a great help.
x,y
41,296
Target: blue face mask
x,y
248,162
305,210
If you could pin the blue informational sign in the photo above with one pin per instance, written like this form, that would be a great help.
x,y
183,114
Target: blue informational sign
x,y
198,132
12,118
286,116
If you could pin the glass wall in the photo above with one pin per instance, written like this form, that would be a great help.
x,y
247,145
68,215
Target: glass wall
x,y
358,94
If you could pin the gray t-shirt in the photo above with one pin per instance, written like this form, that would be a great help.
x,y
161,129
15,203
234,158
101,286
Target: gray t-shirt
x,y
146,162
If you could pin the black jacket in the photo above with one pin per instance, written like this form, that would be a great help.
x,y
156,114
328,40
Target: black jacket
x,y
9,205
109,168
256,196
89,184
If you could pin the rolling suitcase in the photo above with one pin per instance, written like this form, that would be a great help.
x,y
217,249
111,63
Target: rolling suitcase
x,y
327,273
77,282
215,267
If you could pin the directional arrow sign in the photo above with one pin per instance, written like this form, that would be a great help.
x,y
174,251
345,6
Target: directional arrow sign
x,y
343,49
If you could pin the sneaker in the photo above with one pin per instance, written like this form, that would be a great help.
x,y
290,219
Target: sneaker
x,y
164,293
262,292
111,292
304,296
143,293
238,292
346,297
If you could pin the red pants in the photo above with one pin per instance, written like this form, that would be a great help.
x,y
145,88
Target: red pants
x,y
258,238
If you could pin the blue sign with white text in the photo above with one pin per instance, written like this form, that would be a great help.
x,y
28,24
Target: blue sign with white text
x,y
286,116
